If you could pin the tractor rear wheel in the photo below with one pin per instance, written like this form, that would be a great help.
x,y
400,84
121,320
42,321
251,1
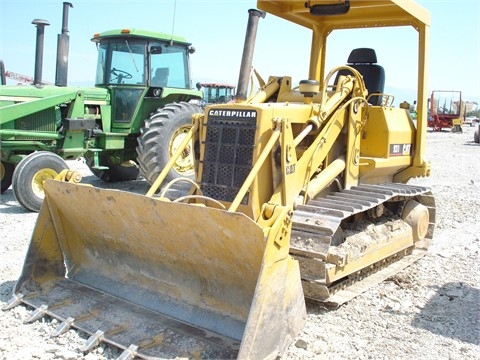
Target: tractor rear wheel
x,y
31,173
116,172
160,138
6,174
476,135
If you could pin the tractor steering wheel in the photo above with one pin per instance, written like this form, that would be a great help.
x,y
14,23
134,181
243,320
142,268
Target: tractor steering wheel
x,y
119,75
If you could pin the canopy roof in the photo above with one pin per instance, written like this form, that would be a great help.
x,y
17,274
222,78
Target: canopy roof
x,y
362,13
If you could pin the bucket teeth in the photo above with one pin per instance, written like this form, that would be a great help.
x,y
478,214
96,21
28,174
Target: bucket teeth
x,y
37,314
63,327
14,301
171,292
92,341
128,354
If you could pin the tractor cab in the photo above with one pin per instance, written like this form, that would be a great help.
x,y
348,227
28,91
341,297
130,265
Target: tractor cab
x,y
214,93
135,65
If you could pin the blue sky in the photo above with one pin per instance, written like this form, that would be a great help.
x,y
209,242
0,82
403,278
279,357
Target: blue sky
x,y
217,30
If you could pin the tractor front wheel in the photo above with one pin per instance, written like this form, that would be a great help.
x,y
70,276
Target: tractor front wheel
x,y
116,172
160,138
30,175
6,174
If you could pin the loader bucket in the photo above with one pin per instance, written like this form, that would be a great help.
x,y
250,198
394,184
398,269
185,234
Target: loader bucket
x,y
161,279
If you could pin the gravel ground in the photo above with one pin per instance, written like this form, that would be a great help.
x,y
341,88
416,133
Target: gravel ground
x,y
431,310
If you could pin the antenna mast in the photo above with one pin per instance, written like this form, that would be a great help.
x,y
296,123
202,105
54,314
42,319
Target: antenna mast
x,y
173,23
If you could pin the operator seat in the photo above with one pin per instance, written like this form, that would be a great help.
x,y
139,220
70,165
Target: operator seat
x,y
161,77
365,61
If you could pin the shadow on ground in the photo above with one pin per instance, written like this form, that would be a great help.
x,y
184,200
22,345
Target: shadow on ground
x,y
6,290
453,312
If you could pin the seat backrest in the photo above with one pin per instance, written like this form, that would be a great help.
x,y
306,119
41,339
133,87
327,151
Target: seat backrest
x,y
161,77
364,60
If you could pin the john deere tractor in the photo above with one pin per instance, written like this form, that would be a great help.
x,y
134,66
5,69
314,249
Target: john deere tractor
x,y
216,93
131,121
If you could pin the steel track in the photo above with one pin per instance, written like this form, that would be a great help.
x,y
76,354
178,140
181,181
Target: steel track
x,y
318,226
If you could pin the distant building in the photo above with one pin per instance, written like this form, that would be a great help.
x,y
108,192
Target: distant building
x,y
470,106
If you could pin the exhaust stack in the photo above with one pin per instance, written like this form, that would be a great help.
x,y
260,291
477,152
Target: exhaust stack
x,y
247,57
3,76
40,24
63,41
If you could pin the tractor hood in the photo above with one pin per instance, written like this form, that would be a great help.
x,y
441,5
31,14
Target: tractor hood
x,y
14,93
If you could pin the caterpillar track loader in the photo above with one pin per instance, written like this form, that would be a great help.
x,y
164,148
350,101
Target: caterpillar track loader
x,y
299,192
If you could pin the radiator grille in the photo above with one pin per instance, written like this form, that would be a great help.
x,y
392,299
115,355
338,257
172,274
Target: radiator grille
x,y
227,162
41,121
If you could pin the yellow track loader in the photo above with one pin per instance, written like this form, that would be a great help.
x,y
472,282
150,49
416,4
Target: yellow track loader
x,y
300,192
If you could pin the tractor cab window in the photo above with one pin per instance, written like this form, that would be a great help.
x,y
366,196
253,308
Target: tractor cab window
x,y
169,66
121,62
217,94
127,63
101,63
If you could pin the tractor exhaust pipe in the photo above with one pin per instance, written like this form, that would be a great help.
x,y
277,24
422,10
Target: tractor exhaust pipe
x,y
3,76
63,41
40,24
247,57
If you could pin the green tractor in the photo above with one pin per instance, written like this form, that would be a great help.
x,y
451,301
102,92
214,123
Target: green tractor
x,y
132,121
216,93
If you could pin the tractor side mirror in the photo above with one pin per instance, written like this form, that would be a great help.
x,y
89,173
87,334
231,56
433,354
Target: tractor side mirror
x,y
157,49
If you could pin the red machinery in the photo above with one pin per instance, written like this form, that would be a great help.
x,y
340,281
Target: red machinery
x,y
446,110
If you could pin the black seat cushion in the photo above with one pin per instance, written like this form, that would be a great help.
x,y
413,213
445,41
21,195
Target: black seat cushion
x,y
364,61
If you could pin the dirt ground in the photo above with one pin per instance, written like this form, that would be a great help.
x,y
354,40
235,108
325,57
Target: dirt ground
x,y
430,310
